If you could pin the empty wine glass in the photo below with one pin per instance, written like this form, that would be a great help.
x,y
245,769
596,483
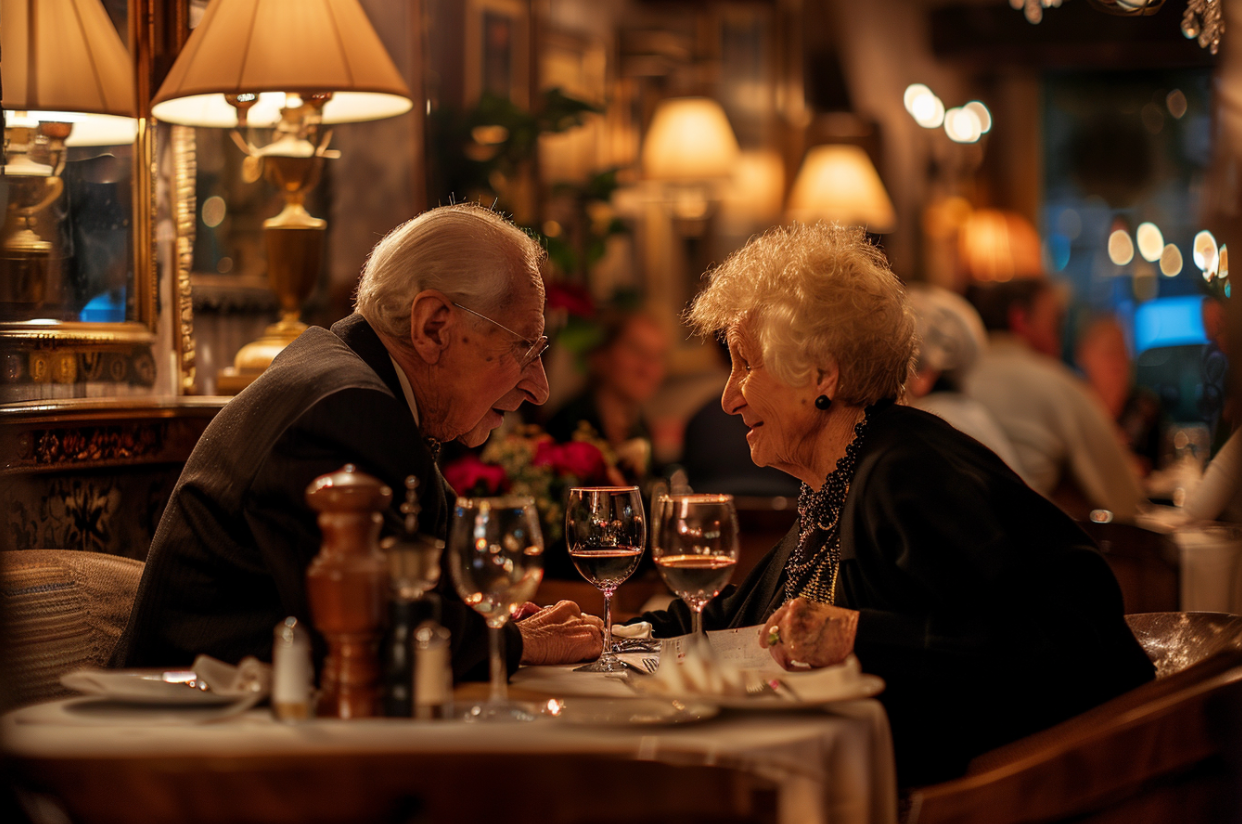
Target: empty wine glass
x,y
696,547
606,532
496,559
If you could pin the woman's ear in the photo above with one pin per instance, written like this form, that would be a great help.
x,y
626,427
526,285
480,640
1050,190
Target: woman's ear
x,y
431,317
827,380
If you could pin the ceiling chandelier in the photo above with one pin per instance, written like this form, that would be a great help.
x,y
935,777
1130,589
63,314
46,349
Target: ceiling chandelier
x,y
1202,20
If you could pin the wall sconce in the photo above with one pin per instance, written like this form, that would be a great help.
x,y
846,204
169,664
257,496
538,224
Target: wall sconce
x,y
297,65
839,183
690,147
68,81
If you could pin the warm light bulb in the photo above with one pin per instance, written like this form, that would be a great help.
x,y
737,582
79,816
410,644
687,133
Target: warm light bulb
x,y
913,92
1205,253
1120,247
928,111
1150,241
1171,261
962,125
982,113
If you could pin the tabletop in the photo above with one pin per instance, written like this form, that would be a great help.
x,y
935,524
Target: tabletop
x,y
831,764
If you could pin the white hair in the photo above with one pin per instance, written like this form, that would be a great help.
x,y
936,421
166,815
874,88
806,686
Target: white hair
x,y
815,295
470,253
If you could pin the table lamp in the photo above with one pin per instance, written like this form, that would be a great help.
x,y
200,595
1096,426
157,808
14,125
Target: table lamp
x,y
689,147
68,81
296,65
839,183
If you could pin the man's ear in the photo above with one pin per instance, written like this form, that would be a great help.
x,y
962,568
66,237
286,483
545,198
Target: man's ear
x,y
431,317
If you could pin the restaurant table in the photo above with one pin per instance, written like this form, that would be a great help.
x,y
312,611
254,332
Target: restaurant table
x,y
832,764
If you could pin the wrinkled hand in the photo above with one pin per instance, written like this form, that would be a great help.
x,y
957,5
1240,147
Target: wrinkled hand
x,y
561,634
816,634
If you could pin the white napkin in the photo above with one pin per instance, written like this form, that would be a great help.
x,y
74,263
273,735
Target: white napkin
x,y
638,630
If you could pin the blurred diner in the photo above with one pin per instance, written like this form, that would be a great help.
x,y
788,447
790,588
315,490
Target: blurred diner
x,y
951,338
625,369
1103,355
915,547
1068,446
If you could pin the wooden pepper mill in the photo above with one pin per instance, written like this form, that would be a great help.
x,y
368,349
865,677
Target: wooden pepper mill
x,y
347,584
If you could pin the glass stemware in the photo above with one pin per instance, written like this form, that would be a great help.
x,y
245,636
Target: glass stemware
x,y
496,558
696,547
605,531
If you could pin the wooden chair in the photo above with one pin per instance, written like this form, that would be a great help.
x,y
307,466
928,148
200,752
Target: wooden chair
x,y
1170,750
62,609
1145,563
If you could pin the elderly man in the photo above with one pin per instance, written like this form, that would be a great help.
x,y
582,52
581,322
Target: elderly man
x,y
446,338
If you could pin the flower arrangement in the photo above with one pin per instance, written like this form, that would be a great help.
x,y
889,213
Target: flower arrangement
x,y
528,461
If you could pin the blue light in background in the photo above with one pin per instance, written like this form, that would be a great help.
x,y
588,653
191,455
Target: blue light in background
x,y
1176,321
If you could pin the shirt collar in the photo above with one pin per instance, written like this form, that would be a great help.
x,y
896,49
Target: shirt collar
x,y
405,388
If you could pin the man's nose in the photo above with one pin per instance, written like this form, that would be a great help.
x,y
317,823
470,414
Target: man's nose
x,y
534,383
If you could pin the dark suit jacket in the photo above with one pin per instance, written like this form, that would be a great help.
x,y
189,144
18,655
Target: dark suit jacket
x,y
229,557
987,611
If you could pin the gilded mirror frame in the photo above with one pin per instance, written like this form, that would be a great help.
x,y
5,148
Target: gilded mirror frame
x,y
45,360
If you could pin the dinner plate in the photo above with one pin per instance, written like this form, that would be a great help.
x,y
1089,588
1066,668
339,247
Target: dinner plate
x,y
629,711
803,696
146,686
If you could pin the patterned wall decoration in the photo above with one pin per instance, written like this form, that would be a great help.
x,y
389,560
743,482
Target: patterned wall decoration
x,y
96,481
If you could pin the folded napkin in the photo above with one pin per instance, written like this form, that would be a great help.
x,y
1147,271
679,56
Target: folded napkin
x,y
208,681
636,631
730,665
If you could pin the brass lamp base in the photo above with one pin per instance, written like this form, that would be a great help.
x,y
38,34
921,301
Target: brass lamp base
x,y
257,355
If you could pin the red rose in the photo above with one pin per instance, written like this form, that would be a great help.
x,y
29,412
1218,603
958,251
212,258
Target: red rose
x,y
571,297
577,458
470,476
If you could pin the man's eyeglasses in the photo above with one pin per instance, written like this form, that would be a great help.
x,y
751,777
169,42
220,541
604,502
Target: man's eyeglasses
x,y
537,346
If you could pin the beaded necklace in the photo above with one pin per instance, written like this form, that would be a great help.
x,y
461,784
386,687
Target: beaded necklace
x,y
810,573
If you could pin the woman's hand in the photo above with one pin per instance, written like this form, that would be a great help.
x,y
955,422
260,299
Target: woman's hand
x,y
804,631
561,634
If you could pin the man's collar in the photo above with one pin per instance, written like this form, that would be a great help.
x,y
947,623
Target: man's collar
x,y
406,390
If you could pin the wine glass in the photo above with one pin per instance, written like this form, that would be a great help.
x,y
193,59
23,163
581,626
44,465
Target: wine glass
x,y
606,532
496,560
696,547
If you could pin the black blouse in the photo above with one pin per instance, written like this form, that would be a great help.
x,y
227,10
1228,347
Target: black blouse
x,y
987,611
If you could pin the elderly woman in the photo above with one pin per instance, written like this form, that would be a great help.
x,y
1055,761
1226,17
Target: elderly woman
x,y
988,613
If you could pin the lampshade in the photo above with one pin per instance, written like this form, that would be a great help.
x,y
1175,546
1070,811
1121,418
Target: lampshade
x,y
62,60
689,139
839,183
281,46
999,245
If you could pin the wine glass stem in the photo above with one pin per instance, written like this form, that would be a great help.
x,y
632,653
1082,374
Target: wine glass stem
x,y
607,653
500,677
697,620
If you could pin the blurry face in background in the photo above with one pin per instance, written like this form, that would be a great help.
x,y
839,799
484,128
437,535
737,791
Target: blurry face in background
x,y
633,365
1105,361
1041,325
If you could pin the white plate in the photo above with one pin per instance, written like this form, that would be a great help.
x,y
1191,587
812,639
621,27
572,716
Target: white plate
x,y
862,686
629,711
145,686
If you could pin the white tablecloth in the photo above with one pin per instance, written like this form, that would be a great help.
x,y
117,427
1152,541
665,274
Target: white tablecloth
x,y
831,765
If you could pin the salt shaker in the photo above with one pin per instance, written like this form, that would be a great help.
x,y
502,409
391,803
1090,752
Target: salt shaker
x,y
291,672
433,672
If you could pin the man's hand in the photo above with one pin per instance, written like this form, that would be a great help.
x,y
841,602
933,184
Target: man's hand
x,y
810,633
561,634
